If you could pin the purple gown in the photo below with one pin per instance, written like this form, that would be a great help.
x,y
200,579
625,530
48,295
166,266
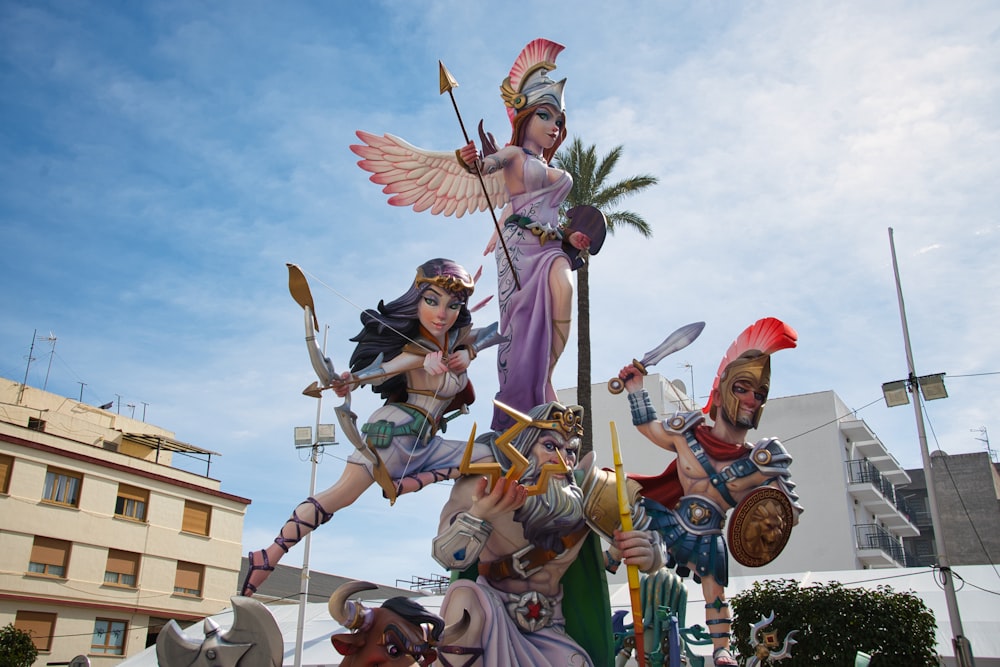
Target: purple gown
x,y
523,360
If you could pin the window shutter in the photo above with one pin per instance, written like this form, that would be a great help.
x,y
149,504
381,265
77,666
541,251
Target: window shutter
x,y
197,518
131,502
40,625
188,578
50,551
123,562
6,463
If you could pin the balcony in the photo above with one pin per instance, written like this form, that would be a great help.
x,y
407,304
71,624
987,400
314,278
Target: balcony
x,y
878,548
877,494
867,445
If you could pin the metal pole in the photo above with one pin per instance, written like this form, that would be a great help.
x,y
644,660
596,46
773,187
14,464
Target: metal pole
x,y
31,350
304,582
960,643
52,353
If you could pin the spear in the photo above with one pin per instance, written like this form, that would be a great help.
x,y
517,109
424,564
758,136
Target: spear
x,y
448,83
625,512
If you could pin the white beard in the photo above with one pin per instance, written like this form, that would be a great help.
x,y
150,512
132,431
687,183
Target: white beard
x,y
549,516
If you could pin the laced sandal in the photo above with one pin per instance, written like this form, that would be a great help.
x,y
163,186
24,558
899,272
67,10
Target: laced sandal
x,y
248,589
721,657
320,517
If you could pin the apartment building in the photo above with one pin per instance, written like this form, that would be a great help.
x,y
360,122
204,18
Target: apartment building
x,y
103,538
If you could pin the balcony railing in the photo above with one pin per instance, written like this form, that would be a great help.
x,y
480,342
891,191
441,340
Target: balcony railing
x,y
874,536
861,471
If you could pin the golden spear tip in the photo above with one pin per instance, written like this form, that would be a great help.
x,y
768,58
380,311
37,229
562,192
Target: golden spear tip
x,y
447,80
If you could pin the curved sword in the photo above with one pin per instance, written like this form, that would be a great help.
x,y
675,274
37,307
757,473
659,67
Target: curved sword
x,y
675,342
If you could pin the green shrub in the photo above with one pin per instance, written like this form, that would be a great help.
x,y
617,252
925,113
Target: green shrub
x,y
835,622
16,647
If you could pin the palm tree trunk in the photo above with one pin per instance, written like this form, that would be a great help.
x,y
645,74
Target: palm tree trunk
x,y
583,396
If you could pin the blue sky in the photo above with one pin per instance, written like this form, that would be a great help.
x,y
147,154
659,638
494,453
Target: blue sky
x,y
160,162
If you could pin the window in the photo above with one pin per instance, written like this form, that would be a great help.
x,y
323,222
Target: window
x,y
131,502
122,568
40,625
49,557
62,487
109,637
6,465
197,518
154,628
36,424
189,579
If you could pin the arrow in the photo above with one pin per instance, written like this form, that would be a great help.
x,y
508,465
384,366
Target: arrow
x,y
448,83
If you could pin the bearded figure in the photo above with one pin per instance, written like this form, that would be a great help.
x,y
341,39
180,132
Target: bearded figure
x,y
519,523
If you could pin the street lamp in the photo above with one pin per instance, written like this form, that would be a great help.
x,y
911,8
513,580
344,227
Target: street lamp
x,y
897,392
932,387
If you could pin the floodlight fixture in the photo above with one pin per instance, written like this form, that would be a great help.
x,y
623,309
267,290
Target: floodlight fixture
x,y
896,393
303,436
932,386
326,434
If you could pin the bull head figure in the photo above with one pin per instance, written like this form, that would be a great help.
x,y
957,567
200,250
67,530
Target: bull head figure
x,y
400,632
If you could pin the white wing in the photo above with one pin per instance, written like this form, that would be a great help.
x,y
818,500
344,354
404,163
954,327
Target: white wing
x,y
426,179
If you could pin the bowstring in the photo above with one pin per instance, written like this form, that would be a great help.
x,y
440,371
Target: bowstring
x,y
371,312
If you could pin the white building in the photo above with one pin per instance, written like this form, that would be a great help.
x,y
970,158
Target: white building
x,y
103,540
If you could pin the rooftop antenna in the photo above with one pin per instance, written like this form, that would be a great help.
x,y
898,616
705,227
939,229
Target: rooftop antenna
x,y
51,338
20,392
690,368
985,439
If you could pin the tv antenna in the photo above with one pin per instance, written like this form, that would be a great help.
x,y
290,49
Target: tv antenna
x,y
27,367
51,339
985,439
688,365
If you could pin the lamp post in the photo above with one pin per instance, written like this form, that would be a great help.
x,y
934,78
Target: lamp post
x,y
931,387
325,435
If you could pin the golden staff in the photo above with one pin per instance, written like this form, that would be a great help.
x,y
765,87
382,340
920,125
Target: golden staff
x,y
625,512
448,83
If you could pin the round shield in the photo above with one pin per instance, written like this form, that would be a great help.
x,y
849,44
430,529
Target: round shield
x,y
591,222
760,526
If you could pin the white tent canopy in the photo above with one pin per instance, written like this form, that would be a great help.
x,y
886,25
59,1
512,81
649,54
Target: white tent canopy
x,y
978,603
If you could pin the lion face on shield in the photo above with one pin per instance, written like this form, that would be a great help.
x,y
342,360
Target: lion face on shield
x,y
765,530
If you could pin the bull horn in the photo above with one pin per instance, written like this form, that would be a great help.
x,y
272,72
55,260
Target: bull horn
x,y
456,629
349,613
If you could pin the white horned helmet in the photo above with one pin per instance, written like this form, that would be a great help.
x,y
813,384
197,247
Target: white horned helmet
x,y
528,83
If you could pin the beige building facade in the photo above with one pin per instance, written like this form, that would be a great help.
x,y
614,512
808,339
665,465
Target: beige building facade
x,y
103,539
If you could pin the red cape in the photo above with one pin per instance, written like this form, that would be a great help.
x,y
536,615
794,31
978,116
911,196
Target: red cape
x,y
665,488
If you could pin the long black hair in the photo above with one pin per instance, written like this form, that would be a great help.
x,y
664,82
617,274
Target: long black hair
x,y
390,326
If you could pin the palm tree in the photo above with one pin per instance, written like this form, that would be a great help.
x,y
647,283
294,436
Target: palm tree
x,y
590,187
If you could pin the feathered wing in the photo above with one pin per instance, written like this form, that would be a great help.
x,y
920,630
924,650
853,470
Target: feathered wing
x,y
767,335
426,180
